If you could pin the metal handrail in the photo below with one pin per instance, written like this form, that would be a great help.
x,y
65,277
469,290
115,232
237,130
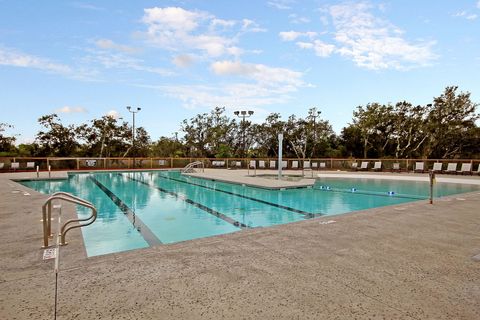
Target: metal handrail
x,y
49,220
47,215
189,167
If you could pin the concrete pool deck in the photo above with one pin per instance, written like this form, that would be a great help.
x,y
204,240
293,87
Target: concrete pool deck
x,y
409,261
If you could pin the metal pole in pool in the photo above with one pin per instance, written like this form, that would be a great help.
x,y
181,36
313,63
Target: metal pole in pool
x,y
431,175
280,141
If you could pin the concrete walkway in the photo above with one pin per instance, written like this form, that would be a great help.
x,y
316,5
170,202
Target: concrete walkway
x,y
411,261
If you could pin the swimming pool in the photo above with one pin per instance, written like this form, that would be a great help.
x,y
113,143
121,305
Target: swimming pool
x,y
141,209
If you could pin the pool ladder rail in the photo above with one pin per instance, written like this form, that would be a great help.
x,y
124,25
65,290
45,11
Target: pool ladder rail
x,y
47,216
189,168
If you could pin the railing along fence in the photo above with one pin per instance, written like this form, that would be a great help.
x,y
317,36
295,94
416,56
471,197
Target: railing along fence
x,y
112,163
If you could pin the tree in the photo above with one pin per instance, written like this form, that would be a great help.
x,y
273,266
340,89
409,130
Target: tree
x,y
7,143
376,125
58,140
105,137
449,123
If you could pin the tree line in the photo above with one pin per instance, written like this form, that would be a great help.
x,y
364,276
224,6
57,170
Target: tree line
x,y
445,128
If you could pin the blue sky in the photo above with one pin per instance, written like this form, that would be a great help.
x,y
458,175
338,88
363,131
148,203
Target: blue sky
x,y
175,59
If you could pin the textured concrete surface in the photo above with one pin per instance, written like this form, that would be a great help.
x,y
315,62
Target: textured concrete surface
x,y
410,261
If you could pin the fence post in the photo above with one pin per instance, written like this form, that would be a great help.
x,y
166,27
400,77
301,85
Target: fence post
x,y
78,164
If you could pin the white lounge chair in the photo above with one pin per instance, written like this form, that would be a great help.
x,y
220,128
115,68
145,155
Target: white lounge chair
x,y
294,164
252,164
15,166
91,163
238,164
162,162
284,164
2,165
437,167
364,165
322,166
30,165
377,166
355,166
419,167
478,169
261,164
465,169
306,164
396,167
273,164
314,165
451,168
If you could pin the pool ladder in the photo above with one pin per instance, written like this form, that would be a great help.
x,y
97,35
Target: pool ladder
x,y
189,167
47,216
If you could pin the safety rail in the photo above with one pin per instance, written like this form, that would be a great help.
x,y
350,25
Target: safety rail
x,y
189,167
47,216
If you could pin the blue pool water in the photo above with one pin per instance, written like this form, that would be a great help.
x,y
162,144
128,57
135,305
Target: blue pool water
x,y
140,209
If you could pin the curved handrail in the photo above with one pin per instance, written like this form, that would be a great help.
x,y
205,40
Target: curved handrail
x,y
68,198
189,167
49,219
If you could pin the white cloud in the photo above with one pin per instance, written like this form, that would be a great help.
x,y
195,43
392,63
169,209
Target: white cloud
x,y
294,18
184,31
323,49
109,44
222,23
368,40
69,109
10,57
113,114
304,45
466,15
15,58
263,74
478,4
262,85
251,26
111,60
183,60
281,4
293,35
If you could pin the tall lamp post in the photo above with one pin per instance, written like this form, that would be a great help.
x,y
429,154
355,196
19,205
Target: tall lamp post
x,y
133,112
315,114
243,114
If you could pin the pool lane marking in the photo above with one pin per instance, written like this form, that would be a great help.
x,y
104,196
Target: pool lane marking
x,y
145,231
196,204
305,213
365,193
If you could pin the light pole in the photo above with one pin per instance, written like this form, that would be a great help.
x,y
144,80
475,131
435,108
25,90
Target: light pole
x,y
133,112
315,114
243,114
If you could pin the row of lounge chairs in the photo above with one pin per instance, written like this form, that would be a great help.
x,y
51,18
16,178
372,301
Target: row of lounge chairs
x,y
272,164
466,168
14,166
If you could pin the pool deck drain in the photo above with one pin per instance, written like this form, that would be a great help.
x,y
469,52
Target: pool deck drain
x,y
374,264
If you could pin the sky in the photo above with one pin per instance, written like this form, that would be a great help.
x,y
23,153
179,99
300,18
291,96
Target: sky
x,y
176,59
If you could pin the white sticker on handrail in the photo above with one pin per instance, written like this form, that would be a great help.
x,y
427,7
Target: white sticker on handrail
x,y
327,222
50,253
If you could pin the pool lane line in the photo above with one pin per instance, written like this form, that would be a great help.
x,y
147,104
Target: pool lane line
x,y
373,194
142,228
308,215
196,204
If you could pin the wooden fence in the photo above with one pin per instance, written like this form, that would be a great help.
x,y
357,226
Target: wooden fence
x,y
93,163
